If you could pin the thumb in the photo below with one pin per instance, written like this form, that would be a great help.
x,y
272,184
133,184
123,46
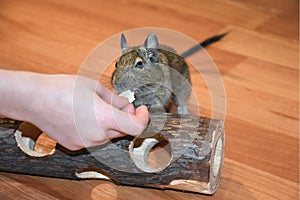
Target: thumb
x,y
143,115
132,124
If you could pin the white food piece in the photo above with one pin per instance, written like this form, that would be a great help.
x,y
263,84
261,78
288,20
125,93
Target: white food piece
x,y
129,95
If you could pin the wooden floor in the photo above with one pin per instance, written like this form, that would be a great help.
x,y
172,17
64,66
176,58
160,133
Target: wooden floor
x,y
258,61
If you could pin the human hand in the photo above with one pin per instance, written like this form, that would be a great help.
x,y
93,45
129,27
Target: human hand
x,y
75,111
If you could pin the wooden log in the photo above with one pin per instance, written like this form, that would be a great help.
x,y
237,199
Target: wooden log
x,y
195,146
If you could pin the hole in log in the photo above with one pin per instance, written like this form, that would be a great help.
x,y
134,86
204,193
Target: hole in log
x,y
151,154
33,142
218,157
44,145
159,155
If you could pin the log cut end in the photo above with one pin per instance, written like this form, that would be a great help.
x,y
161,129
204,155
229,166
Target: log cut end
x,y
216,162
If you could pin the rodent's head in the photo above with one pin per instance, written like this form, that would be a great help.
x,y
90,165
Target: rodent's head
x,y
139,68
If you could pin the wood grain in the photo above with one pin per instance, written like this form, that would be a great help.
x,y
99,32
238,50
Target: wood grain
x,y
194,164
258,60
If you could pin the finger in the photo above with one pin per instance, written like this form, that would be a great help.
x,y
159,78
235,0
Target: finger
x,y
115,100
129,108
132,124
107,136
111,98
111,134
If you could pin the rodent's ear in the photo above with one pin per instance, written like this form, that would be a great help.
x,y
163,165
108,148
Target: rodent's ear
x,y
123,43
151,41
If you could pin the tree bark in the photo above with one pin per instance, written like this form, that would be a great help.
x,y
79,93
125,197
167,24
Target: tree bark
x,y
195,145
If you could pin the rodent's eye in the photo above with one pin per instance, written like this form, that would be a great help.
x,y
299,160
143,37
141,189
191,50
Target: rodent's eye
x,y
139,63
116,64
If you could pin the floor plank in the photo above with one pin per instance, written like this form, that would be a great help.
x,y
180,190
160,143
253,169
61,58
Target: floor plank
x,y
257,45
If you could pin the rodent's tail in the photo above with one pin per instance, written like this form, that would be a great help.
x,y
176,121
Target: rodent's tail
x,y
202,45
211,40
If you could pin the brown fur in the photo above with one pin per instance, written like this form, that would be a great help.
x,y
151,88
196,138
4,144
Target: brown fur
x,y
157,76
